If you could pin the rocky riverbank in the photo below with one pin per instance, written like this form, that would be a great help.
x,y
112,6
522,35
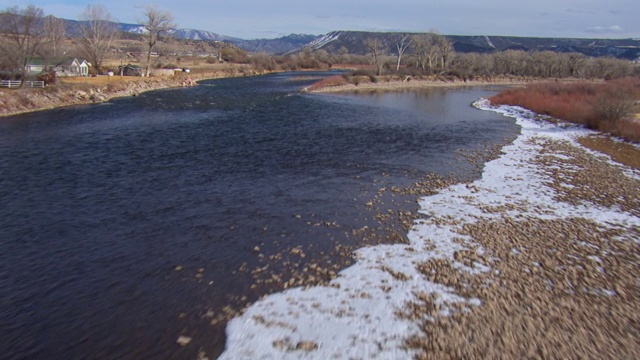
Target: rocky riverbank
x,y
101,89
537,259
19,101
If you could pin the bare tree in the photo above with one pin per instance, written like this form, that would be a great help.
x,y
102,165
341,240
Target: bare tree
x,y
376,47
464,65
445,50
24,35
511,62
99,30
430,48
157,23
576,63
55,33
403,41
419,43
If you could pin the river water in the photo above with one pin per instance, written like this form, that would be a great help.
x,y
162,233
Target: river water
x,y
127,224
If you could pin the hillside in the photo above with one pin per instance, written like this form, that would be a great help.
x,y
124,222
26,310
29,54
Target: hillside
x,y
270,46
353,42
275,46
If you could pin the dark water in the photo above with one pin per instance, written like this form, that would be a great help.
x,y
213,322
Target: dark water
x,y
99,204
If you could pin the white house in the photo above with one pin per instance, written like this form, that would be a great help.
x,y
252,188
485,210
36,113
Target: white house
x,y
73,67
61,67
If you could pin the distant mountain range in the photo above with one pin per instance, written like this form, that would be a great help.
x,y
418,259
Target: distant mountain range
x,y
353,42
271,46
190,34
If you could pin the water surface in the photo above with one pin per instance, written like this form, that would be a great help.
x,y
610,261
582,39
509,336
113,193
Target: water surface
x,y
101,203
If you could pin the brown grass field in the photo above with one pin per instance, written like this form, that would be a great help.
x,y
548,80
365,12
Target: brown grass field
x,y
623,153
197,70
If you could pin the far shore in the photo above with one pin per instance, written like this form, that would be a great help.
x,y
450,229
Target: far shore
x,y
84,91
413,84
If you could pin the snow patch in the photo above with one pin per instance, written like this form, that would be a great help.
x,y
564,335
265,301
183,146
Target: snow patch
x,y
357,316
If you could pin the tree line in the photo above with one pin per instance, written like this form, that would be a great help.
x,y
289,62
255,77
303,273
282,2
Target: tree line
x,y
27,34
431,54
434,54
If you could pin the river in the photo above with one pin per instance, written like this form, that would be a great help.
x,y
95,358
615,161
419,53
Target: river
x,y
127,224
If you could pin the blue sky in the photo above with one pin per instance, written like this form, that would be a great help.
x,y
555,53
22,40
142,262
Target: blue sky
x,y
250,19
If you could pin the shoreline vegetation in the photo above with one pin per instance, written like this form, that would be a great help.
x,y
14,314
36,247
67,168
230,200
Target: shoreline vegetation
x,y
357,83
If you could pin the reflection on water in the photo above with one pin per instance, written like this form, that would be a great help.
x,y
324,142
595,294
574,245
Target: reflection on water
x,y
124,224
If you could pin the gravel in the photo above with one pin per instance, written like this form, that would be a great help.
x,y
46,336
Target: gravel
x,y
557,288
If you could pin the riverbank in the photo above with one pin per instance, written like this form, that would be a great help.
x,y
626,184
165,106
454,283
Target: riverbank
x,y
393,84
82,91
536,259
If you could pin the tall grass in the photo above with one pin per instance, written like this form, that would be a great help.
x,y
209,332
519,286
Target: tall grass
x,y
604,106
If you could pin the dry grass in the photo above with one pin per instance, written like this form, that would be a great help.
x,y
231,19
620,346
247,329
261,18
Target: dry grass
x,y
336,80
196,71
623,153
97,80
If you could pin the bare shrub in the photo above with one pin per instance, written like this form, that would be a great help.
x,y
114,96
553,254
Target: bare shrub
x,y
613,104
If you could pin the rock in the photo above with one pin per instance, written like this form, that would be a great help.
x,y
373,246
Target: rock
x,y
96,97
183,340
81,95
286,345
282,344
307,345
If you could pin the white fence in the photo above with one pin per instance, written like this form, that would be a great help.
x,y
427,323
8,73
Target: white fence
x,y
11,84
34,84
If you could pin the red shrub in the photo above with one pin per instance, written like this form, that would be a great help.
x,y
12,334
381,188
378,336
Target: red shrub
x,y
601,106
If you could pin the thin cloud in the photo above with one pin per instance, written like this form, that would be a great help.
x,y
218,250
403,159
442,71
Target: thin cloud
x,y
580,11
605,29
